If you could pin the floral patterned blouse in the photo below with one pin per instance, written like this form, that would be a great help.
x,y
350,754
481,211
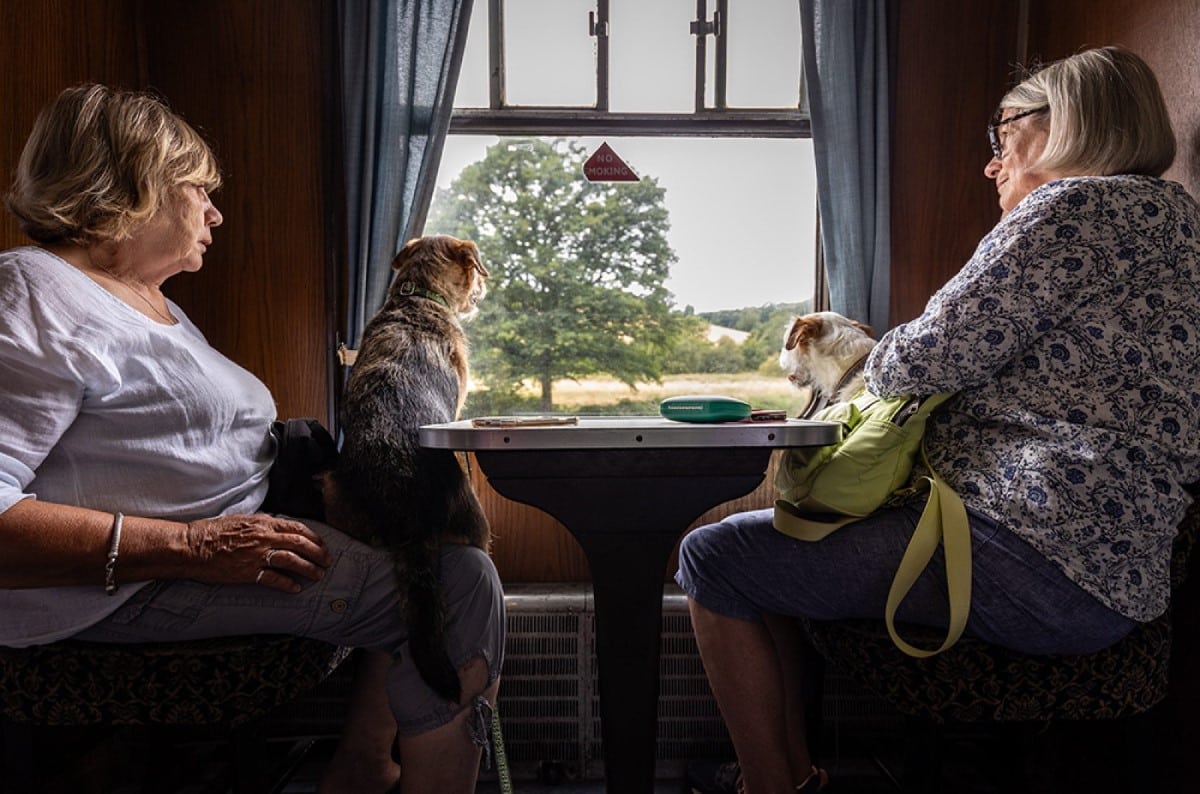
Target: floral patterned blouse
x,y
1073,338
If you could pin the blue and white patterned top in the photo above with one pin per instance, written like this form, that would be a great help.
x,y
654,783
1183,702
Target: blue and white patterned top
x,y
1073,337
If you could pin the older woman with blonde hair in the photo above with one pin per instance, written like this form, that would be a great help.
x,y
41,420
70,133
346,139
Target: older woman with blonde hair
x,y
134,457
1070,339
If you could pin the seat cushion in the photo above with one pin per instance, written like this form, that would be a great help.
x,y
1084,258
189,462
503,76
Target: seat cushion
x,y
974,681
226,680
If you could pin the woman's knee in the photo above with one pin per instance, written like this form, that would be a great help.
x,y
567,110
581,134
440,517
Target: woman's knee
x,y
715,543
696,548
468,571
477,678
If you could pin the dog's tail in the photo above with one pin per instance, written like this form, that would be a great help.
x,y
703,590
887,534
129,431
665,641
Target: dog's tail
x,y
462,521
425,613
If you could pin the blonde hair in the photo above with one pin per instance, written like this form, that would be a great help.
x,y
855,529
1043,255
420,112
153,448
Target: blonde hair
x,y
1106,111
99,162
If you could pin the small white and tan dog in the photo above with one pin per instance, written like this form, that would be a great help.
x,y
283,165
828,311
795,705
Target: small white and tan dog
x,y
826,352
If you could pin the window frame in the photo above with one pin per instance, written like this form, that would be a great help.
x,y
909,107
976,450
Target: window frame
x,y
503,119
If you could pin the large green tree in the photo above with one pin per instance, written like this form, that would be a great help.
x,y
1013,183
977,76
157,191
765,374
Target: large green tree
x,y
577,268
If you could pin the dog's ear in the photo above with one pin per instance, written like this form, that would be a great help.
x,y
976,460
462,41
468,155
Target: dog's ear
x,y
406,253
803,329
866,329
467,254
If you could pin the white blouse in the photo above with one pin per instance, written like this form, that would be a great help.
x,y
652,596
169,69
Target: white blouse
x,y
105,408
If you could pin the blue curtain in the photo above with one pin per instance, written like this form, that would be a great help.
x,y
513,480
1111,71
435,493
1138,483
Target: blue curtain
x,y
846,74
400,63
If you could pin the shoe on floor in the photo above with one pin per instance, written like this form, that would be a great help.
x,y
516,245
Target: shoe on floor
x,y
715,777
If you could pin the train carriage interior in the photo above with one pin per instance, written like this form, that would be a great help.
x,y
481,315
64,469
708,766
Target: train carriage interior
x,y
651,195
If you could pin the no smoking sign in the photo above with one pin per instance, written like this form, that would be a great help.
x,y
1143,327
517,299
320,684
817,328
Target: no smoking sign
x,y
606,166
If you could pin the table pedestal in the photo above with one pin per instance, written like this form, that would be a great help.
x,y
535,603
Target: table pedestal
x,y
627,509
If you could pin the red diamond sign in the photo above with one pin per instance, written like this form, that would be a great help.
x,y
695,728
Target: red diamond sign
x,y
605,166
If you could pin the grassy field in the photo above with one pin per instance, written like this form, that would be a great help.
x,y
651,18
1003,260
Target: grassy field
x,y
607,395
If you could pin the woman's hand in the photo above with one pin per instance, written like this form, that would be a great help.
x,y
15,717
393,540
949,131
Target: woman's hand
x,y
255,549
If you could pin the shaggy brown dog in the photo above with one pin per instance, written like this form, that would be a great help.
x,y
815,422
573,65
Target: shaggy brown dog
x,y
411,370
826,351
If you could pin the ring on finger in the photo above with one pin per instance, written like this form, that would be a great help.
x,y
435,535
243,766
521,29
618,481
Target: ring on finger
x,y
258,579
267,559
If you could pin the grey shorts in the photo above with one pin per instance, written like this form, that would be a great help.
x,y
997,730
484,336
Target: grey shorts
x,y
355,604
743,568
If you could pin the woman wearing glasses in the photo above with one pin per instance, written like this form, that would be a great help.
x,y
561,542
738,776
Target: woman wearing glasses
x,y
1070,337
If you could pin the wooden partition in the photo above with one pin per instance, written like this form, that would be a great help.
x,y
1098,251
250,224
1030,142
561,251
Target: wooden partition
x,y
951,63
45,47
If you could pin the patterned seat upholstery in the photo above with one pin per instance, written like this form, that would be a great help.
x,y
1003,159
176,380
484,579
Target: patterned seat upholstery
x,y
228,680
229,683
973,681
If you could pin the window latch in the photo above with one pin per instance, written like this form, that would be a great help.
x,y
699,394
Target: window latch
x,y
702,27
597,29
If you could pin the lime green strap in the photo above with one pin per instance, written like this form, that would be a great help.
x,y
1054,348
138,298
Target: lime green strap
x,y
944,520
790,521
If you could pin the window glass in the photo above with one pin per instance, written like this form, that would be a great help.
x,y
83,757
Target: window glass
x,y
738,227
653,56
764,54
472,88
550,58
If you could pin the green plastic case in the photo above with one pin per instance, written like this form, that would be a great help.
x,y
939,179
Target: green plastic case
x,y
704,408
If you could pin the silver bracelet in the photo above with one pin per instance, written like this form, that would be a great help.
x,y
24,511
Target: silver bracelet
x,y
110,565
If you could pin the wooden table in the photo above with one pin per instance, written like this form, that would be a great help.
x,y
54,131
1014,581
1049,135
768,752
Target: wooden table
x,y
627,488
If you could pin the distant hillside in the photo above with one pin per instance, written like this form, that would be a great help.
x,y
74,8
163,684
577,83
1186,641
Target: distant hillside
x,y
751,318
719,332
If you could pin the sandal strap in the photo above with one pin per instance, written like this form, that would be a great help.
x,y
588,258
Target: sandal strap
x,y
817,776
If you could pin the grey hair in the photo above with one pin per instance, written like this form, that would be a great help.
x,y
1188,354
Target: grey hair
x,y
100,162
1106,114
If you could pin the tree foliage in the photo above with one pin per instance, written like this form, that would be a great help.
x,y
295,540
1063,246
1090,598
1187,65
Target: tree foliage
x,y
577,268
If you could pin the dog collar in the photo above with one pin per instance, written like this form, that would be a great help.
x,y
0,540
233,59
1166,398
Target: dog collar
x,y
816,403
409,288
854,369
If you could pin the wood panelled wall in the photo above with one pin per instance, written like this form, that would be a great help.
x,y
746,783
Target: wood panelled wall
x,y
951,62
46,46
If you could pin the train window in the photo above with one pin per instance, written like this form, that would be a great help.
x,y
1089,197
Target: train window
x,y
639,177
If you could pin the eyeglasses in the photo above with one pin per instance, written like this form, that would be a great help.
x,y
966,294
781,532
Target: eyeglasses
x,y
994,137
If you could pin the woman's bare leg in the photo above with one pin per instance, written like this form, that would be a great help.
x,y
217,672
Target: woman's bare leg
x,y
446,759
745,672
789,646
363,759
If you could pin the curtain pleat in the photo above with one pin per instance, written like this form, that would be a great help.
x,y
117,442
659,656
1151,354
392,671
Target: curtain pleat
x,y
846,73
400,64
